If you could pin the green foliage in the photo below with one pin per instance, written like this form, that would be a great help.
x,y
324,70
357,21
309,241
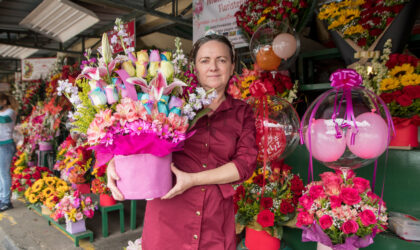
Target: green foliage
x,y
86,112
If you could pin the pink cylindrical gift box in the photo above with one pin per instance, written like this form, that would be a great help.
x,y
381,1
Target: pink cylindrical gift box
x,y
143,176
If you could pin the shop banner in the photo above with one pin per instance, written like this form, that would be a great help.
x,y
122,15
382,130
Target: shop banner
x,y
130,28
37,68
219,16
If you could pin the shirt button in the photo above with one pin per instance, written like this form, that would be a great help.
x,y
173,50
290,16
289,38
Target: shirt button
x,y
198,213
206,145
204,165
203,189
195,236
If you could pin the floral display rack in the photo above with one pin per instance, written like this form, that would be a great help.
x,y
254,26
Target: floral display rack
x,y
62,227
307,60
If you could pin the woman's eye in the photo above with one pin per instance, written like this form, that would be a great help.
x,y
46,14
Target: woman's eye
x,y
204,61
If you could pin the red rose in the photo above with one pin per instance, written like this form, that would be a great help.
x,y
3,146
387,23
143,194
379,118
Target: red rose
x,y
240,191
397,8
296,185
387,97
287,4
316,191
258,180
362,42
375,32
335,201
372,196
368,217
404,100
361,184
286,207
350,196
235,207
267,202
265,218
332,183
304,219
412,91
325,221
376,20
389,20
294,10
350,227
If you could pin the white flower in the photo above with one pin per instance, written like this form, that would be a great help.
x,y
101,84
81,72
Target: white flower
x,y
197,105
136,245
192,98
114,39
201,91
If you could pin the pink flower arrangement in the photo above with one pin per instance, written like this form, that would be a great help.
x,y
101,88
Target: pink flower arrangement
x,y
338,208
74,207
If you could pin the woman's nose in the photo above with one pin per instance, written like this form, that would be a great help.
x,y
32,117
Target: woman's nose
x,y
213,65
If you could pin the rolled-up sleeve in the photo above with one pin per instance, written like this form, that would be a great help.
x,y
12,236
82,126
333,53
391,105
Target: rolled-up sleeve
x,y
245,158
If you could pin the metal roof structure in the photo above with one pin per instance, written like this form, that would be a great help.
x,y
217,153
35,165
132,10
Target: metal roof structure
x,y
170,17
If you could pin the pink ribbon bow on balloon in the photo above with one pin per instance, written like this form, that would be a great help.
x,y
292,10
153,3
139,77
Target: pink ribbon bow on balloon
x,y
345,78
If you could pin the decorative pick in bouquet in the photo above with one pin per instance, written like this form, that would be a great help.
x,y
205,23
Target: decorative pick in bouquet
x,y
349,125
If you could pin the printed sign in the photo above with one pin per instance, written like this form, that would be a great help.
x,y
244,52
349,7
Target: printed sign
x,y
130,28
36,68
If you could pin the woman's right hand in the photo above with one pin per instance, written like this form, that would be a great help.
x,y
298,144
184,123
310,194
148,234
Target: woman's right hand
x,y
112,178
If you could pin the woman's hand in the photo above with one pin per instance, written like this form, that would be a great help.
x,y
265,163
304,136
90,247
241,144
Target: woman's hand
x,y
184,181
112,177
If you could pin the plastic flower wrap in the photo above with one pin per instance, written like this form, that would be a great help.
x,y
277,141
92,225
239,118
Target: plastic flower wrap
x,y
274,208
254,13
360,20
46,191
341,211
74,207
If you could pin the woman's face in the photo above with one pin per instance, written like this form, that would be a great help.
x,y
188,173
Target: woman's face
x,y
214,65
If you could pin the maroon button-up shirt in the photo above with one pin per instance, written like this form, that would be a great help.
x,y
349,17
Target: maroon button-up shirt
x,y
203,216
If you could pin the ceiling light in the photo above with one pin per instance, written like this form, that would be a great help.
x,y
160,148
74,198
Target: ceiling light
x,y
16,51
59,19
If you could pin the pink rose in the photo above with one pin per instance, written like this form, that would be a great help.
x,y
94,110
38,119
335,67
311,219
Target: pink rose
x,y
368,217
350,196
79,216
349,174
89,213
373,197
325,221
304,219
332,183
350,227
335,201
316,191
306,202
88,200
361,184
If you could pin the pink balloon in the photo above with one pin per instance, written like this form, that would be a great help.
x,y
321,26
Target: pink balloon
x,y
324,145
372,139
284,45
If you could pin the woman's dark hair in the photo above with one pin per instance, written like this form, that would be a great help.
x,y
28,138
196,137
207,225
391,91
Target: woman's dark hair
x,y
6,97
208,38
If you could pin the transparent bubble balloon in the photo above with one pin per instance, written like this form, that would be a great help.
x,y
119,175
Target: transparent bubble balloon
x,y
280,126
340,141
274,46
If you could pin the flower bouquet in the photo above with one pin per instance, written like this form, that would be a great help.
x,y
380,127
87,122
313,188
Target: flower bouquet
x,y
140,115
254,13
268,202
74,208
23,177
396,79
341,212
46,191
99,186
366,25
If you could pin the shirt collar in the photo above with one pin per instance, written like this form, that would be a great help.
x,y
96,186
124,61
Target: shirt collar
x,y
226,104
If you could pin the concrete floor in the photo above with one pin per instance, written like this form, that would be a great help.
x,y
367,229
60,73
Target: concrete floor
x,y
22,228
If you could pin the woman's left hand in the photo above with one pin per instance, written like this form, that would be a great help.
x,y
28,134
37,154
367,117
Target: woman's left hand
x,y
184,181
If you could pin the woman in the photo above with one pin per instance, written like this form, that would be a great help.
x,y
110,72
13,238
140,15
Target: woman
x,y
198,212
7,150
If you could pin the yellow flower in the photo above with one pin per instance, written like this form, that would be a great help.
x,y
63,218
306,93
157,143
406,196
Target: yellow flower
x,y
251,179
351,14
245,94
50,181
399,71
269,9
358,29
337,23
389,84
47,192
60,184
261,20
28,192
49,202
36,187
328,12
247,81
62,190
18,170
410,79
32,198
